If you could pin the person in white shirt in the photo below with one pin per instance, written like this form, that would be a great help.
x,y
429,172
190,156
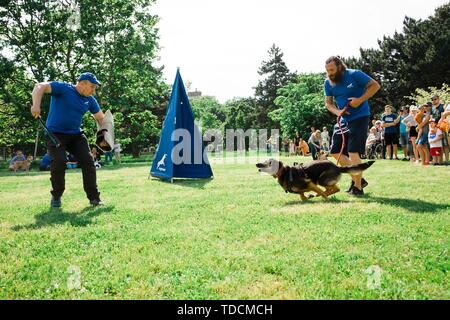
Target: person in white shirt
x,y
325,140
435,136
371,141
411,124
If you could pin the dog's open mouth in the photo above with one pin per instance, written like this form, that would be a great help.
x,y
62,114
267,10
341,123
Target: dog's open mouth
x,y
261,166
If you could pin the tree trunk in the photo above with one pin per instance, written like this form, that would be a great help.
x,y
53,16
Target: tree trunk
x,y
135,150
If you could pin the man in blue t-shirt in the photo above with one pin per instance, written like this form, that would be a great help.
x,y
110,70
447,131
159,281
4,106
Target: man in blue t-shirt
x,y
347,93
389,122
68,104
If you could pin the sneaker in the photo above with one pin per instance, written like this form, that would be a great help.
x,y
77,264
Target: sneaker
x,y
55,202
96,202
364,184
356,192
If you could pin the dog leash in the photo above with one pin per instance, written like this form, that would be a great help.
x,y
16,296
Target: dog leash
x,y
342,133
52,137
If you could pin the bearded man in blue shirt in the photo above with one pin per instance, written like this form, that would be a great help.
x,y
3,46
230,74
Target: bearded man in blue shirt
x,y
347,93
68,104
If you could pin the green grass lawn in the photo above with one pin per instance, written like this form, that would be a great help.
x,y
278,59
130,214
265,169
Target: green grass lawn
x,y
238,236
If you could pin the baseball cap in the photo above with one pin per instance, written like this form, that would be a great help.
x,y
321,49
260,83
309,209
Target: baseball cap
x,y
429,103
414,108
90,77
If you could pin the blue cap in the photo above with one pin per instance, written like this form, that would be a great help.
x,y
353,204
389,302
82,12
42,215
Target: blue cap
x,y
90,77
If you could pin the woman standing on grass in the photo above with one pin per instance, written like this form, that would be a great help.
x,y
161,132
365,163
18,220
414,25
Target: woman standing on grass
x,y
411,125
315,141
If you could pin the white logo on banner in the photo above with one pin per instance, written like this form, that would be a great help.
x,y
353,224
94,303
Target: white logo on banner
x,y
162,162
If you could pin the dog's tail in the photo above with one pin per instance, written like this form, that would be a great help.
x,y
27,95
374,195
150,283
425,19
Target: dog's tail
x,y
358,168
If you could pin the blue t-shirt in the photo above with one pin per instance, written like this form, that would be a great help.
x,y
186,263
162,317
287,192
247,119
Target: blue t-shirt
x,y
403,128
389,118
67,108
17,158
353,85
45,162
437,111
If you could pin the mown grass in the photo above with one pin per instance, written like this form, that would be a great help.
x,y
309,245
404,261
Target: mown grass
x,y
237,236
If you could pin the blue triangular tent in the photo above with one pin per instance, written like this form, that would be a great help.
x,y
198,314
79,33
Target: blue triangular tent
x,y
180,116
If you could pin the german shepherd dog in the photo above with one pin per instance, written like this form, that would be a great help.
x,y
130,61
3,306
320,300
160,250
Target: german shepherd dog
x,y
306,178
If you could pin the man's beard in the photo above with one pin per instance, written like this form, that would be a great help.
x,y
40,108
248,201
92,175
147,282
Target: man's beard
x,y
337,78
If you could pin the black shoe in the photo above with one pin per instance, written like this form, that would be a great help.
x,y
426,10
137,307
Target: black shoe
x,y
356,192
55,202
96,202
364,184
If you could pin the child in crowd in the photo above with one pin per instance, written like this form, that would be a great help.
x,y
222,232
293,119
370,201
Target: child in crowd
x,y
292,150
435,136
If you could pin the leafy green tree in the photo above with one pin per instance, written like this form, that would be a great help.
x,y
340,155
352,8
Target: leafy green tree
x,y
57,40
275,74
301,105
209,112
417,57
240,113
422,96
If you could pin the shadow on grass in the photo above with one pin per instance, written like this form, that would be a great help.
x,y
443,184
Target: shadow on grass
x,y
57,216
412,205
315,200
188,183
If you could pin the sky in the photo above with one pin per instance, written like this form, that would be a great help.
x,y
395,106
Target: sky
x,y
220,44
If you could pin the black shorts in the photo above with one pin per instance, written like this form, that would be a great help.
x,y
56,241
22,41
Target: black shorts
x,y
390,138
355,138
413,133
336,143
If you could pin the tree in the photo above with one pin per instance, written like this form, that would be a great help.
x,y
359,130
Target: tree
x,y
275,75
417,57
57,40
240,113
209,112
301,106
422,96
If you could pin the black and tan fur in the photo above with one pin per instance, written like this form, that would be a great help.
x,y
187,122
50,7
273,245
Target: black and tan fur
x,y
301,179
